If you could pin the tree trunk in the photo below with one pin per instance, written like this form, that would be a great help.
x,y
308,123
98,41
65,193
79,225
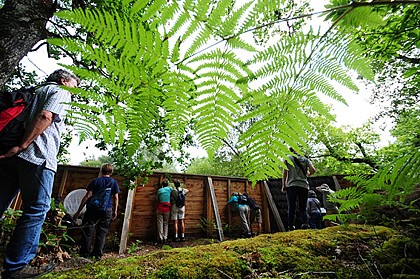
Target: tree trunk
x,y
22,25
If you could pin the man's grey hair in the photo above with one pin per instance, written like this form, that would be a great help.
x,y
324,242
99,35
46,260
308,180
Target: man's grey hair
x,y
57,75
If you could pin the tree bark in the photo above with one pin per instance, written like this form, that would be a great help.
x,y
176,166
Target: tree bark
x,y
22,25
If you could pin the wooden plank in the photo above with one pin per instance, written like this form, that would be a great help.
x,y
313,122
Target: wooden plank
x,y
63,184
209,212
273,207
265,210
229,194
336,184
215,208
126,223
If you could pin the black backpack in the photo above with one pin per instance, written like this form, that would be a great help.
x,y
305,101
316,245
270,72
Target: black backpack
x,y
242,199
180,199
99,200
14,107
253,204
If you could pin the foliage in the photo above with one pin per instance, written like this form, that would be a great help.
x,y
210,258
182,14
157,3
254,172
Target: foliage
x,y
389,36
397,177
203,72
54,235
216,166
7,224
341,252
135,246
96,162
343,150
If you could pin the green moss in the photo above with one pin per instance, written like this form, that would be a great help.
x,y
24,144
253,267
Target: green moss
x,y
345,252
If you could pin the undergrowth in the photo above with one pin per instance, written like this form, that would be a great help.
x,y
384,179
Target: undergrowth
x,y
354,251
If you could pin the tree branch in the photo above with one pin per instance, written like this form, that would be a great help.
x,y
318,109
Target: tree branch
x,y
410,60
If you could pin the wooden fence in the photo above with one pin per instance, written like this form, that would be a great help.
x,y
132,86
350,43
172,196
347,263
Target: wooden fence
x,y
207,211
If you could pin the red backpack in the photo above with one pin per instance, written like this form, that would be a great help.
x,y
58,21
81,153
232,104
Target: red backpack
x,y
14,107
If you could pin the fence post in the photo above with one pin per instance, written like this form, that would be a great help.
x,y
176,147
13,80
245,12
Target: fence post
x,y
126,223
273,207
215,208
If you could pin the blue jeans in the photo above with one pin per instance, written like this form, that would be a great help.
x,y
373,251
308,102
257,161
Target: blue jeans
x,y
35,184
295,193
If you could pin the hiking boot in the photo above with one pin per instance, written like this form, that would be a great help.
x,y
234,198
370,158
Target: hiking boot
x,y
182,239
28,271
304,227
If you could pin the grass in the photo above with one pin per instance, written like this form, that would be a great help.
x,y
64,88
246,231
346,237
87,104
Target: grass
x,y
354,251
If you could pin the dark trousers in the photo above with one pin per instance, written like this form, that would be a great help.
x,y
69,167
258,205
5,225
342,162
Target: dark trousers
x,y
95,222
294,194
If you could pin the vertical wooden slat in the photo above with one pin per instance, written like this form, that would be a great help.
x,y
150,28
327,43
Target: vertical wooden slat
x,y
126,223
265,210
229,194
209,211
215,208
336,184
63,184
273,207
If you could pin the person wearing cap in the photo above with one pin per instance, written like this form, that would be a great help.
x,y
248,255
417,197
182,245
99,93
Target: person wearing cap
x,y
326,191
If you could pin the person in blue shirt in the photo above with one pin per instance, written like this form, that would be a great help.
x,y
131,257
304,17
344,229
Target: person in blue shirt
x,y
243,213
97,220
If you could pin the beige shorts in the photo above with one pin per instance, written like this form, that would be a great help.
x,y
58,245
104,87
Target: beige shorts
x,y
177,213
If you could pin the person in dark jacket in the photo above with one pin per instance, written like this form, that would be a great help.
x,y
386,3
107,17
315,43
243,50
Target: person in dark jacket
x,y
254,213
243,213
313,208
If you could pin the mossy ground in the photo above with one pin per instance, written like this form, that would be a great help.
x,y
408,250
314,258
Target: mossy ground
x,y
354,251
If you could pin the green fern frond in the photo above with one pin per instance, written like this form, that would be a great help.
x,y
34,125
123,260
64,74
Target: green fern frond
x,y
232,23
217,15
202,38
168,14
362,16
184,62
348,199
151,10
238,43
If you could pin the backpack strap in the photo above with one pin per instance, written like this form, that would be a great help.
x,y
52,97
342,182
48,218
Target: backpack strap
x,y
297,163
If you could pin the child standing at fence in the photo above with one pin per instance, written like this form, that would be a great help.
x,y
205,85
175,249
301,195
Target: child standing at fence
x,y
313,208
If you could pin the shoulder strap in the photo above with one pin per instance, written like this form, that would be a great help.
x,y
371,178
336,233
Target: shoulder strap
x,y
317,205
297,163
